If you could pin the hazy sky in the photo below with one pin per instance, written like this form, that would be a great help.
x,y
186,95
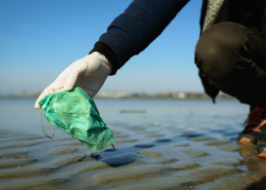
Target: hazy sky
x,y
40,38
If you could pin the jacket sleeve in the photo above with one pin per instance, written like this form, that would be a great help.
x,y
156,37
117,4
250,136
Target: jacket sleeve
x,y
132,31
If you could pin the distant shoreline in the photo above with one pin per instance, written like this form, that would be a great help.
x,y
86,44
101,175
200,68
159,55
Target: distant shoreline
x,y
129,95
225,97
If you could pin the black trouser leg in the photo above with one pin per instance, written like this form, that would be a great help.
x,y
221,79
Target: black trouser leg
x,y
231,57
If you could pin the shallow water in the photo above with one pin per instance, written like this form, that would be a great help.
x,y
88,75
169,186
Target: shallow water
x,y
161,144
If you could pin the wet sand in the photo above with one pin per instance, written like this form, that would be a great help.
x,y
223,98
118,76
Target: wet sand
x,y
28,161
151,155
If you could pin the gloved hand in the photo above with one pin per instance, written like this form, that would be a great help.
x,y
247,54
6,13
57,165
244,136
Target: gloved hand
x,y
89,73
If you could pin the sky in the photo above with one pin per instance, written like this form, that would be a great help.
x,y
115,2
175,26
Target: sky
x,y
40,38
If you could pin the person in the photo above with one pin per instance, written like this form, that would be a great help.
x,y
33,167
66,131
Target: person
x,y
229,54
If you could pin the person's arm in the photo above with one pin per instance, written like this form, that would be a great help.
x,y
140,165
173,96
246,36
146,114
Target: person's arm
x,y
132,31
128,34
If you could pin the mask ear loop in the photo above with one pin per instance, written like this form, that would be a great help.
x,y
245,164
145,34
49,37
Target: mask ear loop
x,y
113,147
40,112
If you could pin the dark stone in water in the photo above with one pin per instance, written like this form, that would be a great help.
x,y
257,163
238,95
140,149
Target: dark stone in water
x,y
122,159
144,145
163,140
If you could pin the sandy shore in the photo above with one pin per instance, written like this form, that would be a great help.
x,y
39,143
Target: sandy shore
x,y
145,159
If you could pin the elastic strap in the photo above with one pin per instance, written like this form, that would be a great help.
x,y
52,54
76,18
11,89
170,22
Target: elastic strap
x,y
113,147
40,112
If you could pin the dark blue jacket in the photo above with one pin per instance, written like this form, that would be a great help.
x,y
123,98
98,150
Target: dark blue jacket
x,y
132,31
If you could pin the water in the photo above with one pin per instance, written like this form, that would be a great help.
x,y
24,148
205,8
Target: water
x,y
166,118
20,115
157,128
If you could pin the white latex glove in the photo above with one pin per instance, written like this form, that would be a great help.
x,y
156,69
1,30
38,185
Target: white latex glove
x,y
89,73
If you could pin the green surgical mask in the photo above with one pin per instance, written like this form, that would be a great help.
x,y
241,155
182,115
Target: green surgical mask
x,y
76,113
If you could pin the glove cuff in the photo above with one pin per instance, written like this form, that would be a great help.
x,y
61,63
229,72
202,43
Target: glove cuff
x,y
103,59
109,54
